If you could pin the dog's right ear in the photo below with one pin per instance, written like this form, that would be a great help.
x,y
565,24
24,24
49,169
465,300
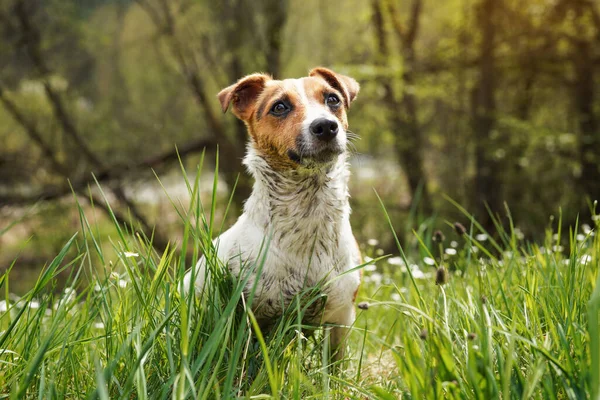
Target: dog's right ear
x,y
243,94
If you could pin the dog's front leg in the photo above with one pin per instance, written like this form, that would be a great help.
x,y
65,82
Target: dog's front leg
x,y
337,339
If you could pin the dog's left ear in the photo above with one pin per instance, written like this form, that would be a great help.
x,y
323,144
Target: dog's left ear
x,y
346,85
243,94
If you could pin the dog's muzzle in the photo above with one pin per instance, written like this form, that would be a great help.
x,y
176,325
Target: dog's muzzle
x,y
319,144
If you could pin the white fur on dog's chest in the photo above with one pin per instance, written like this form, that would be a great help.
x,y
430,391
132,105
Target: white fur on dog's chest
x,y
290,271
302,220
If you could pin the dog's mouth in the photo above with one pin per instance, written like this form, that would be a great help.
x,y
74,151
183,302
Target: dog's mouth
x,y
309,152
323,155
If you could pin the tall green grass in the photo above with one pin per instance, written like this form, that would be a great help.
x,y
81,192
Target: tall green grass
x,y
512,321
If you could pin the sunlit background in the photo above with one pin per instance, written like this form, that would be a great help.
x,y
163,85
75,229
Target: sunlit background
x,y
490,103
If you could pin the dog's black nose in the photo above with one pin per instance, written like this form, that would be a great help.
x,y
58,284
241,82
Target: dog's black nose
x,y
324,129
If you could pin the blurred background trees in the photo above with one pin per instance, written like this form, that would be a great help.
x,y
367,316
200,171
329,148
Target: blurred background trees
x,y
491,102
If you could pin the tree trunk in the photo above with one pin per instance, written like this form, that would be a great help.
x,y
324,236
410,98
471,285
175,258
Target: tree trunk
x,y
410,145
589,136
403,108
488,185
276,12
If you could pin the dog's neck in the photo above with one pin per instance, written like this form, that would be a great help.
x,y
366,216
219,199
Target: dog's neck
x,y
304,209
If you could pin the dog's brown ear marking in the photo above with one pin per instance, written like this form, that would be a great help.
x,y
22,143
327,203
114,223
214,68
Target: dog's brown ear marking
x,y
346,85
243,94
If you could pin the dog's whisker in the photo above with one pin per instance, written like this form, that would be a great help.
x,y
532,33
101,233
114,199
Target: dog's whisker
x,y
352,136
352,148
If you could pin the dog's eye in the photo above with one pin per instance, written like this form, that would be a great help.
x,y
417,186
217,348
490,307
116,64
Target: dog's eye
x,y
279,108
332,100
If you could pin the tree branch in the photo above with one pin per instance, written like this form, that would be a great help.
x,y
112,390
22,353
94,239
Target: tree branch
x,y
31,39
414,21
396,22
114,173
32,131
190,71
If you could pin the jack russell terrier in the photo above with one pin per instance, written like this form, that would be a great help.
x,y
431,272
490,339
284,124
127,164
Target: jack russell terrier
x,y
298,212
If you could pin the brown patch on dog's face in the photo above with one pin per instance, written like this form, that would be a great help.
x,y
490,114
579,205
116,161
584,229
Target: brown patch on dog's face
x,y
281,116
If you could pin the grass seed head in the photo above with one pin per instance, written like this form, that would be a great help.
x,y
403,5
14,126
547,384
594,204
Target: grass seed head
x,y
460,229
423,334
441,276
438,236
363,305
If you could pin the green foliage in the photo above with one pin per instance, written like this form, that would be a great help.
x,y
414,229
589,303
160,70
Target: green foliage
x,y
511,322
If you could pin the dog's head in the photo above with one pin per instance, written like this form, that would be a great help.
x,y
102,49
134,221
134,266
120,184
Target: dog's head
x,y
294,122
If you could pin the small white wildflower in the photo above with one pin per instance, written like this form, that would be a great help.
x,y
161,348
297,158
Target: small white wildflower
x,y
70,295
34,304
519,234
122,283
373,242
396,261
580,237
376,278
429,261
475,249
395,296
48,312
454,244
370,267
567,261
555,236
557,249
97,287
3,306
458,272
586,229
596,218
129,254
379,252
585,259
114,276
450,251
98,325
481,237
368,259
418,274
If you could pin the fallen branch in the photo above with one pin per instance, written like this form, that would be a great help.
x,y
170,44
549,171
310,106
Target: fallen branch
x,y
113,173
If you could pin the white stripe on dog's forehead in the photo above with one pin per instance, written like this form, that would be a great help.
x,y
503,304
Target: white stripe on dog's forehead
x,y
299,85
